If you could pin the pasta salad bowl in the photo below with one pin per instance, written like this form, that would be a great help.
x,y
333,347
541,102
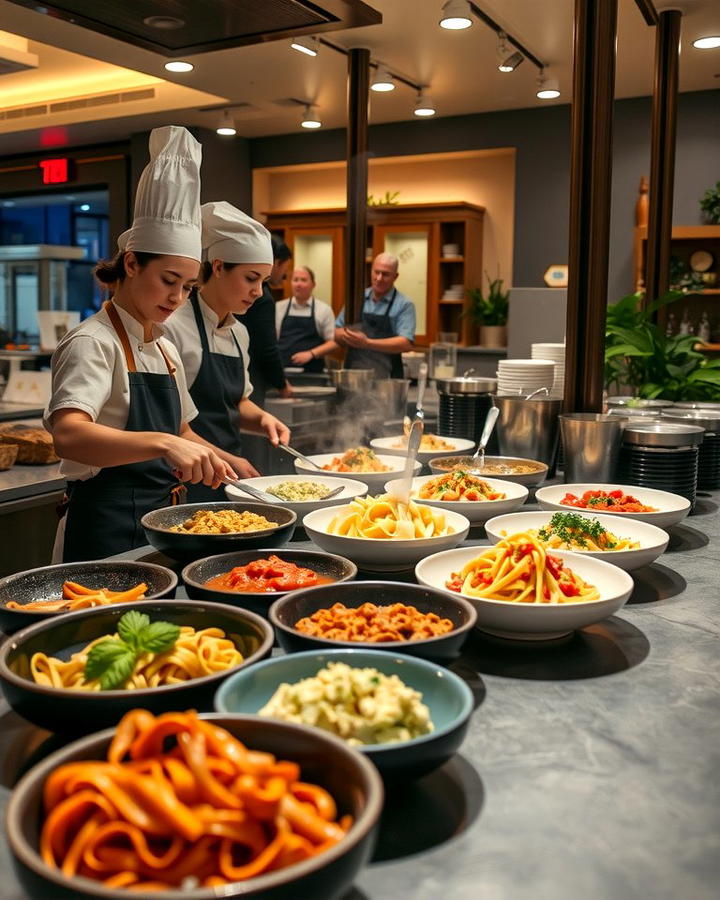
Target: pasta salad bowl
x,y
446,645
393,467
350,488
667,509
448,699
535,621
324,760
476,511
59,707
651,540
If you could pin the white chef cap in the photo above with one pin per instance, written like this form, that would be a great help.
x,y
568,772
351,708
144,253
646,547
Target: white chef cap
x,y
232,236
167,200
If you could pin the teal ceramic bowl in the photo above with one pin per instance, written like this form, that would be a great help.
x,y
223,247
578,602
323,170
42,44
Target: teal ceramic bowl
x,y
447,696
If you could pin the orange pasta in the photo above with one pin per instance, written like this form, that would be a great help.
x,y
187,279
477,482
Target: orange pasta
x,y
376,624
204,812
77,596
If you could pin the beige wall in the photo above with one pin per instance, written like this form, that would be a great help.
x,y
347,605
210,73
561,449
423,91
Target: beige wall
x,y
484,177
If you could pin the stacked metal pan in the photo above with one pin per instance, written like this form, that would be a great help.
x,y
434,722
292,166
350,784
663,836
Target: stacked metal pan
x,y
709,451
463,407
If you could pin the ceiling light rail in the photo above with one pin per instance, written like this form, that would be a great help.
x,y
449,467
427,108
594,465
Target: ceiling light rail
x,y
499,30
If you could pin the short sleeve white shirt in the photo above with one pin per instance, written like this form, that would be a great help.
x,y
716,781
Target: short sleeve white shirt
x,y
89,373
324,316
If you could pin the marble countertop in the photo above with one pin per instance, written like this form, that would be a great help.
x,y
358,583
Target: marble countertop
x,y
590,767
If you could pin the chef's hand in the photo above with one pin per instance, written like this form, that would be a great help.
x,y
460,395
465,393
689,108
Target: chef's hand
x,y
286,392
302,358
244,468
196,463
277,432
356,339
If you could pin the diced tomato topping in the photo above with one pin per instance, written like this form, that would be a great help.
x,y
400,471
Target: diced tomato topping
x,y
569,589
554,565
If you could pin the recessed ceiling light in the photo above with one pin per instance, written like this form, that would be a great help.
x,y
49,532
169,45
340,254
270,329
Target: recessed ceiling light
x,y
310,118
179,65
84,207
455,15
707,43
164,23
308,46
383,81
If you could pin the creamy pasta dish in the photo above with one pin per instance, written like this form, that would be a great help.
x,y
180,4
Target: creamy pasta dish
x,y
299,490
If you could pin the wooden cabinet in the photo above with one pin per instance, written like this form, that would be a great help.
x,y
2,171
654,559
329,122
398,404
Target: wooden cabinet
x,y
417,234
687,240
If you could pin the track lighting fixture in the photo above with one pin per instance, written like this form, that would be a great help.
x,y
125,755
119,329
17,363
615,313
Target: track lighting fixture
x,y
382,81
456,15
226,127
424,106
308,46
547,88
310,118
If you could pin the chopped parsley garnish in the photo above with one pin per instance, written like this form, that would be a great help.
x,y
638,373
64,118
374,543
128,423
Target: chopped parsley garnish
x,y
572,528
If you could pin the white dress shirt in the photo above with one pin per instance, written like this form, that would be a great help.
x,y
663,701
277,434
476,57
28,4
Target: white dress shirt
x,y
324,316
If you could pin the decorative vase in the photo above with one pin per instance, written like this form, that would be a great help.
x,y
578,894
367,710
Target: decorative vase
x,y
494,336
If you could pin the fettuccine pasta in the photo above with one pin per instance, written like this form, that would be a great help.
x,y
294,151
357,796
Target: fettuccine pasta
x,y
195,654
204,812
571,531
519,570
386,518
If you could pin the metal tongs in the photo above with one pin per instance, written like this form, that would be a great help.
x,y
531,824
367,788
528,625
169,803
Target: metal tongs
x,y
298,455
261,496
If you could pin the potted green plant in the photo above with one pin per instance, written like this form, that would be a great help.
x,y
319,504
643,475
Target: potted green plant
x,y
710,204
490,312
640,357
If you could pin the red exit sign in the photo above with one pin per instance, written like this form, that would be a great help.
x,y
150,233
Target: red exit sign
x,y
56,171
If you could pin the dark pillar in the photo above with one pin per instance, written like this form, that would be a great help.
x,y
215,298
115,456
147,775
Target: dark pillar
x,y
590,179
357,181
662,153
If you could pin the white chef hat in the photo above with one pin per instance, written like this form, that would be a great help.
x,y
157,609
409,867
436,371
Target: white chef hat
x,y
232,236
167,201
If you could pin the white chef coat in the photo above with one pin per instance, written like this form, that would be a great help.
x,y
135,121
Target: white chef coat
x,y
324,316
181,328
89,373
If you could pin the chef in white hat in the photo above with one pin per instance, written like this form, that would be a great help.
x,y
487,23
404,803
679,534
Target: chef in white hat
x,y
213,345
120,406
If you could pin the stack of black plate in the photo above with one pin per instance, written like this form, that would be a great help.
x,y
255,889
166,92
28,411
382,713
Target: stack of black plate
x,y
709,453
661,455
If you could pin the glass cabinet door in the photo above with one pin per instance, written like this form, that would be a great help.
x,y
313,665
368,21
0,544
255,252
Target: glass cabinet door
x,y
410,245
322,251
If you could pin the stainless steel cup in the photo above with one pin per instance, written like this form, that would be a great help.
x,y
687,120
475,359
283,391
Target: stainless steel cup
x,y
591,444
389,396
528,428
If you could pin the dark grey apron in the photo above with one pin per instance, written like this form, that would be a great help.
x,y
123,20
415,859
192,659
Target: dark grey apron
x,y
385,365
217,392
104,512
299,333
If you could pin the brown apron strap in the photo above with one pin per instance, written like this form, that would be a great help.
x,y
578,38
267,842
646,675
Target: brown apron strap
x,y
170,367
125,340
178,495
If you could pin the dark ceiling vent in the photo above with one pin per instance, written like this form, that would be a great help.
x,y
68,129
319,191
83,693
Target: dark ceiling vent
x,y
199,27
20,112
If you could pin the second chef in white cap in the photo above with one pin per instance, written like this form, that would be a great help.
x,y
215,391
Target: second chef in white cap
x,y
213,345
120,407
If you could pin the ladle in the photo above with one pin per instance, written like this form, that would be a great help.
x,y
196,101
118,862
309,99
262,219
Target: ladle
x,y
490,421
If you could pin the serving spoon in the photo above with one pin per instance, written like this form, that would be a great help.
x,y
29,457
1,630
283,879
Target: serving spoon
x,y
490,421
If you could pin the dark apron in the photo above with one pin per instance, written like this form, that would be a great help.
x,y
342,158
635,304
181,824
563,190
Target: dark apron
x,y
299,333
385,365
217,392
104,512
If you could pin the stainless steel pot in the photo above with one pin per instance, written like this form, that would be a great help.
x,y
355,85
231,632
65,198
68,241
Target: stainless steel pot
x,y
354,380
390,396
462,385
528,428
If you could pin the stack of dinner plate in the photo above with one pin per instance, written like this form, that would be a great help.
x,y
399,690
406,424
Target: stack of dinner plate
x,y
555,352
522,376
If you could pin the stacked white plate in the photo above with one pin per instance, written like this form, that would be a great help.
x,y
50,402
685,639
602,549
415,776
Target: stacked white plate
x,y
522,376
555,352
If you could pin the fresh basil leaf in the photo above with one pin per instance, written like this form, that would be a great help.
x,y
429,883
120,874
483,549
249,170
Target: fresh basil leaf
x,y
103,655
158,637
118,672
131,626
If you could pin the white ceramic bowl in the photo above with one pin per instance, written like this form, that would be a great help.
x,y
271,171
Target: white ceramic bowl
x,y
652,540
350,490
373,555
387,445
530,621
476,511
671,508
373,480
537,476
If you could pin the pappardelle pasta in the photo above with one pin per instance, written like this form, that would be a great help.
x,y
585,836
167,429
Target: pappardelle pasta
x,y
456,486
519,570
77,596
201,813
386,518
571,531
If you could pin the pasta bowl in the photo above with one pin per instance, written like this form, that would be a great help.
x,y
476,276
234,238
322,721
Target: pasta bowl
x,y
531,621
46,583
670,508
68,709
350,489
652,540
373,480
381,555
388,446
286,611
187,546
510,468
324,760
476,511
196,575
448,698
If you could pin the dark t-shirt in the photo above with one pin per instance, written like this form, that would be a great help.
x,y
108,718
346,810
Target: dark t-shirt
x,y
266,368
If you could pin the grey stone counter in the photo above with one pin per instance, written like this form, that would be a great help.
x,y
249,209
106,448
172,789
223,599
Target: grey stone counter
x,y
21,482
590,770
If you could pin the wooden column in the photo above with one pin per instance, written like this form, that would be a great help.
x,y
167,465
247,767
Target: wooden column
x,y
357,181
590,182
662,153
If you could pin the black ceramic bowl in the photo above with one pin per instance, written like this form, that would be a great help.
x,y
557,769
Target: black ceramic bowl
x,y
324,760
287,610
186,547
46,584
197,573
80,711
